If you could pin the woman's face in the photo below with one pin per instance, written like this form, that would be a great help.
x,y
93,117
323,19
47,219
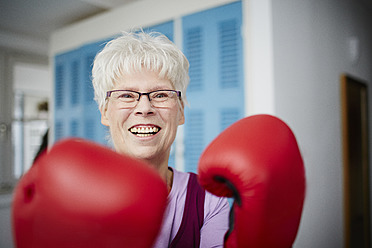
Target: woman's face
x,y
160,124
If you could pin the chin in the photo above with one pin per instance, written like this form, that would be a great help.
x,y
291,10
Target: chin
x,y
144,155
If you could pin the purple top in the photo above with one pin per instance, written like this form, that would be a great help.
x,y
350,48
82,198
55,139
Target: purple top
x,y
216,215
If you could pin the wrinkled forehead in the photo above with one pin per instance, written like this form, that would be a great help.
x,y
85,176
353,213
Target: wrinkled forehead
x,y
142,77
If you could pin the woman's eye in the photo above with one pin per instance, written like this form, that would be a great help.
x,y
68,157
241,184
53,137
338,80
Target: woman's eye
x,y
126,95
161,95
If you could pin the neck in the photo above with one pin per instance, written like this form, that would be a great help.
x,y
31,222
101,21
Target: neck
x,y
165,173
167,176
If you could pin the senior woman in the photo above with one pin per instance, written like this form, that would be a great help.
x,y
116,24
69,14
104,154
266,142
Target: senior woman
x,y
140,81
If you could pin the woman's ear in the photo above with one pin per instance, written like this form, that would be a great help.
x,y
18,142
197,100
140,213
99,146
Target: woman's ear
x,y
104,119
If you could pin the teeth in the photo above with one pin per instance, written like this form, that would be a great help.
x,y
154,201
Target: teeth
x,y
144,131
144,134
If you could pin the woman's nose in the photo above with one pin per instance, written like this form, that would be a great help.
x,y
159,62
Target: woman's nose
x,y
144,106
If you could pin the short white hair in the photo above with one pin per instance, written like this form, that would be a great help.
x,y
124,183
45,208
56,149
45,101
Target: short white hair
x,y
133,52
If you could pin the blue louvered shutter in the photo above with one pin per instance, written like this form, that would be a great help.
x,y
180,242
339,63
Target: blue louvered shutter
x,y
66,81
91,118
212,42
165,28
59,89
193,47
59,85
76,113
74,83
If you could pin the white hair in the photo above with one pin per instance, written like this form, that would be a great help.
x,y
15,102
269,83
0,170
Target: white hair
x,y
133,52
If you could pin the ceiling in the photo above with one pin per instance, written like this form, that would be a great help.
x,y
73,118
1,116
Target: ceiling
x,y
33,21
27,24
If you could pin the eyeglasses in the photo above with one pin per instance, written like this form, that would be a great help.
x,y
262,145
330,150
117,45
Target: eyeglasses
x,y
157,98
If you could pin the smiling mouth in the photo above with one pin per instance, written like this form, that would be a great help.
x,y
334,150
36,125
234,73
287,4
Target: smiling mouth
x,y
144,131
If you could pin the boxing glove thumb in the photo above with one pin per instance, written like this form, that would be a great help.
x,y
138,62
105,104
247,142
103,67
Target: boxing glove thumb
x,y
80,194
257,161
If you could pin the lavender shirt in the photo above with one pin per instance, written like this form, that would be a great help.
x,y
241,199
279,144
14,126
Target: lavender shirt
x,y
216,215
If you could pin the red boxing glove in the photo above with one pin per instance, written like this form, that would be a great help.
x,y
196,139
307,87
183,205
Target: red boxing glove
x,y
258,162
84,195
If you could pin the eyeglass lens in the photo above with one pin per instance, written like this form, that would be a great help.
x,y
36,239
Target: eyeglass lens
x,y
160,98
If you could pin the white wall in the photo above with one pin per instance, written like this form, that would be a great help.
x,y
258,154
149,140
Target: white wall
x,y
5,150
34,82
32,85
295,52
29,75
6,240
311,51
258,57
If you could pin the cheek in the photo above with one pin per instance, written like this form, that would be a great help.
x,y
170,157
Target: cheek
x,y
173,120
117,117
116,121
